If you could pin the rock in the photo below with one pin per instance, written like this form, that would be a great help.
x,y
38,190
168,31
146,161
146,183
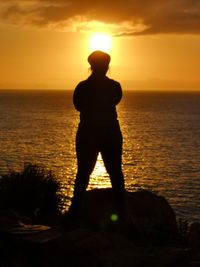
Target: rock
x,y
100,241
10,218
152,216
194,235
149,217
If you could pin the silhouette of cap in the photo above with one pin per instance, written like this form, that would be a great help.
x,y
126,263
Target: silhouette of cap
x,y
99,57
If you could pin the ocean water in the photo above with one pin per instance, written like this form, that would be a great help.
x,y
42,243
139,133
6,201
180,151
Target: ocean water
x,y
161,150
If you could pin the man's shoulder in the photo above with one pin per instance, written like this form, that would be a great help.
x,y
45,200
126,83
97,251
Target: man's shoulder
x,y
90,80
114,82
81,84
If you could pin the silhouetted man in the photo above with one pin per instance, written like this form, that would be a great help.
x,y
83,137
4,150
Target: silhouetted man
x,y
98,131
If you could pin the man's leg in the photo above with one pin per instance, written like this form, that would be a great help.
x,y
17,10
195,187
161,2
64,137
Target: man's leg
x,y
111,155
86,159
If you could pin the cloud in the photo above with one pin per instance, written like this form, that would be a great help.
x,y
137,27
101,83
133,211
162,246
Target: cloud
x,y
130,17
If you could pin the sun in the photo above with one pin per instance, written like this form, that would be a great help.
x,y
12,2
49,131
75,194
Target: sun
x,y
100,41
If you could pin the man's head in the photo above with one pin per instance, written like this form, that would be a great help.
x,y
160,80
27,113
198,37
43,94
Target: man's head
x,y
99,62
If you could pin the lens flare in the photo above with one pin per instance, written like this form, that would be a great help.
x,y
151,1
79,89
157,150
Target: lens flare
x,y
114,217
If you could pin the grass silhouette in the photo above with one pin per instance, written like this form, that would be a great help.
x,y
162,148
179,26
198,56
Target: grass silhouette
x,y
31,192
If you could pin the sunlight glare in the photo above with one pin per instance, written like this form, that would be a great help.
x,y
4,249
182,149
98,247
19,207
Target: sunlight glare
x,y
99,178
101,41
99,169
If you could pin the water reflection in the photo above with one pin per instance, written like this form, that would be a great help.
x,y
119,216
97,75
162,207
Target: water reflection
x,y
99,177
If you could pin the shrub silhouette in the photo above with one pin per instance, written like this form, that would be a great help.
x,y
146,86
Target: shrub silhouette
x,y
32,192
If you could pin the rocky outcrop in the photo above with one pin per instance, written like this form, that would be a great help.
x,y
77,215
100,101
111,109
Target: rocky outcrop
x,y
146,237
148,216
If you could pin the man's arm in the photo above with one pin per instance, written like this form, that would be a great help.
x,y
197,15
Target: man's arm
x,y
118,93
77,97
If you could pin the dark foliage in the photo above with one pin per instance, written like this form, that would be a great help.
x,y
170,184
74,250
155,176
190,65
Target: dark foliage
x,y
32,192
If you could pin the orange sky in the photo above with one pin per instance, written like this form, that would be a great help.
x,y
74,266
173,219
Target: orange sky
x,y
45,44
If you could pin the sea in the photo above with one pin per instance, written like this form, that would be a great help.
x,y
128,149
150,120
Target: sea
x,y
161,149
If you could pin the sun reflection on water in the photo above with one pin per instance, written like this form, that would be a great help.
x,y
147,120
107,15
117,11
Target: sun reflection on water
x,y
99,177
